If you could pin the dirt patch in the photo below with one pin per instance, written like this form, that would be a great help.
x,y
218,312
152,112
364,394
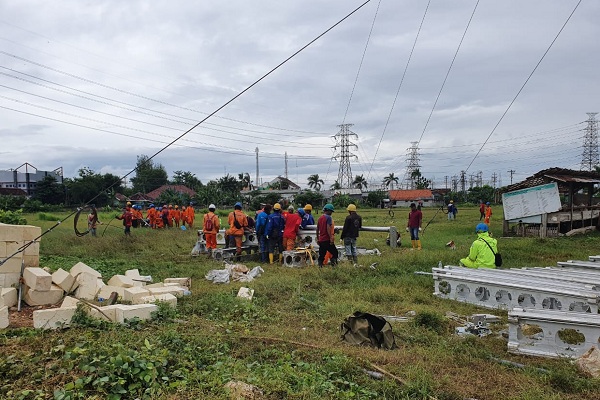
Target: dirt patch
x,y
24,318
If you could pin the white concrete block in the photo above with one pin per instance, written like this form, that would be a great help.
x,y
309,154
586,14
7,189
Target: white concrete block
x,y
3,252
135,276
47,297
8,297
174,290
167,298
64,280
183,282
246,293
81,267
107,290
53,318
69,301
142,311
121,280
154,285
9,280
4,321
31,261
37,279
31,232
133,294
109,313
12,265
89,286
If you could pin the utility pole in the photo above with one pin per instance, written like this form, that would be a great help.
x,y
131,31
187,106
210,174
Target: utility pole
x,y
343,143
286,169
455,183
511,172
494,179
463,182
446,181
256,183
589,159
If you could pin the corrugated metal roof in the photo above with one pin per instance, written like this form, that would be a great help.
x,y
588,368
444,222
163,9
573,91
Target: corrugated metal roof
x,y
578,179
407,195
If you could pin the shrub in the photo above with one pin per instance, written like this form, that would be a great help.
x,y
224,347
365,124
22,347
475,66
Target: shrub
x,y
12,217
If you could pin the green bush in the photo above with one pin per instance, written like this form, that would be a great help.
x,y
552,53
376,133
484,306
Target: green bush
x,y
12,217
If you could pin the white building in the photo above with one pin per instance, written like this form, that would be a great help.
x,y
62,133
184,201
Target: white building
x,y
26,177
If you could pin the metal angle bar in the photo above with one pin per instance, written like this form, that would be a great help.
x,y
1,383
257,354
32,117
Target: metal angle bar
x,y
579,264
494,294
529,283
594,258
550,333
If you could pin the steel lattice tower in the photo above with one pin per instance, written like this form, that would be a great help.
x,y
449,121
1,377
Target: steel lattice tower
x,y
412,161
342,146
589,159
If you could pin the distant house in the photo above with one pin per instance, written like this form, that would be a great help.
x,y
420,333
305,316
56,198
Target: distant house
x,y
280,183
353,193
155,194
28,180
403,198
12,192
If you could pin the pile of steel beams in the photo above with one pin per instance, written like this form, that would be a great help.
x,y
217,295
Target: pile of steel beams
x,y
553,311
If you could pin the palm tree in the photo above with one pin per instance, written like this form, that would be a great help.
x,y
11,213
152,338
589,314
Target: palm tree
x,y
336,186
359,182
390,180
314,182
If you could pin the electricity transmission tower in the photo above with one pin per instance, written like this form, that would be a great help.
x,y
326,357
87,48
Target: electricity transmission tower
x,y
589,159
342,146
412,161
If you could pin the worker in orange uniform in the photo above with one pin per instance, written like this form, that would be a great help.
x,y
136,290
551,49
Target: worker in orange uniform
x,y
183,215
210,228
151,216
237,222
171,215
159,222
176,215
191,215
164,214
290,232
488,213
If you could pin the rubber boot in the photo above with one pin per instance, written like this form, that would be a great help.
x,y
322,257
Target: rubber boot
x,y
418,244
414,244
264,256
270,258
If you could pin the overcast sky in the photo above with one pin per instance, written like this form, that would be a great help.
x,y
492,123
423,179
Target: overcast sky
x,y
97,83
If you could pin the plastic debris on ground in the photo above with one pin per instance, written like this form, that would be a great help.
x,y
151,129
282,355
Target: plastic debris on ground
x,y
234,272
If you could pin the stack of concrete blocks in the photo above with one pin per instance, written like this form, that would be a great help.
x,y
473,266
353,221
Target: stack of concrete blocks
x,y
38,289
294,259
88,281
8,298
13,237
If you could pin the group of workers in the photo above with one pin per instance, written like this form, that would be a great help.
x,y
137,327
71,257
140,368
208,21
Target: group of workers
x,y
156,217
280,230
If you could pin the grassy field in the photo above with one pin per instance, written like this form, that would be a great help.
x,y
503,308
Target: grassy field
x,y
286,341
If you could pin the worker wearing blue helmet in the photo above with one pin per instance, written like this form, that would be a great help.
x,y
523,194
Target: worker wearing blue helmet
x,y
483,250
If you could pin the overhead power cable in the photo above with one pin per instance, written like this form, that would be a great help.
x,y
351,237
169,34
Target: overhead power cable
x,y
524,84
398,90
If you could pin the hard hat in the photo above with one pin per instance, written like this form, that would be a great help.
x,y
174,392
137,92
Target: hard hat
x,y
176,206
351,207
238,205
277,207
291,208
451,201
151,205
159,208
301,211
170,205
308,207
488,203
211,207
128,203
328,207
481,227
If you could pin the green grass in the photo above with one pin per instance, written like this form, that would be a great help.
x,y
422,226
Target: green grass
x,y
286,341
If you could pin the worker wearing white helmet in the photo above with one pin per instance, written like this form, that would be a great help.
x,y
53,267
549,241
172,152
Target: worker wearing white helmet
x,y
210,228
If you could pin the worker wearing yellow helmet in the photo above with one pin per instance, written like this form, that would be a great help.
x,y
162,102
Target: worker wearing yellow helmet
x,y
352,226
451,210
307,218
274,232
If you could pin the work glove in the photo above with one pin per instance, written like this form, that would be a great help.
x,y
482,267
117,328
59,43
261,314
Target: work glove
x,y
420,229
267,236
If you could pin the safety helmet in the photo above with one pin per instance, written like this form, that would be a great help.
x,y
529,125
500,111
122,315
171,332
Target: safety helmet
x,y
159,208
301,211
308,207
451,201
351,207
211,207
277,207
176,206
238,205
487,204
328,207
151,206
481,227
170,205
128,203
291,209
